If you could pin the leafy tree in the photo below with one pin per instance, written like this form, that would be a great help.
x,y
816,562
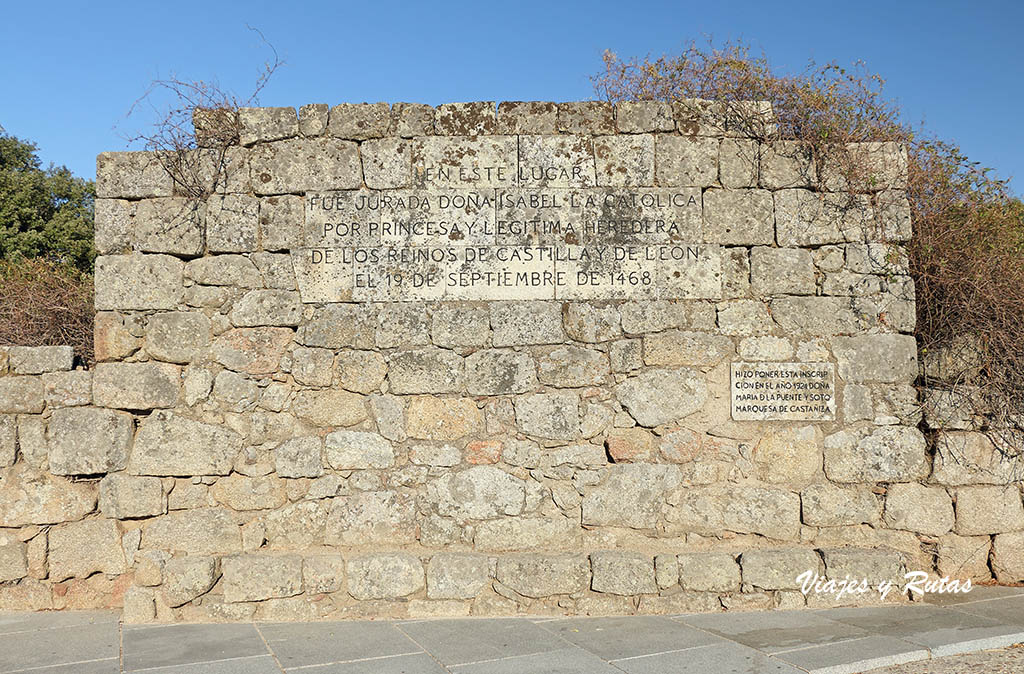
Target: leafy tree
x,y
43,212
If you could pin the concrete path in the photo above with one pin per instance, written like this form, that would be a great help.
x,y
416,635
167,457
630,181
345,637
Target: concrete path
x,y
833,641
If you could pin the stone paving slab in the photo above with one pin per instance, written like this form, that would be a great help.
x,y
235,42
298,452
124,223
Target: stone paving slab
x,y
827,641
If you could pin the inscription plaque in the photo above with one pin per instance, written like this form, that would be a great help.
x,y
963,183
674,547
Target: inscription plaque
x,y
512,244
783,391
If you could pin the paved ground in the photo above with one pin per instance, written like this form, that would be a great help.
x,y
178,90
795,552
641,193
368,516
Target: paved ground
x,y
833,641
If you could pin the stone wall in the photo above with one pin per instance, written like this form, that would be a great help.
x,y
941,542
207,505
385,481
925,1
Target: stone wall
x,y
271,434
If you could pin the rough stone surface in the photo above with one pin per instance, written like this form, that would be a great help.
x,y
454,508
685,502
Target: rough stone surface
x,y
169,444
457,575
126,497
80,549
988,510
481,492
887,454
778,569
544,575
1008,557
622,573
914,507
346,450
88,441
185,578
549,415
709,571
136,386
255,577
384,576
661,396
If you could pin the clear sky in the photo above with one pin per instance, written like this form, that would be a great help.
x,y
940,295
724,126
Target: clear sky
x,y
71,70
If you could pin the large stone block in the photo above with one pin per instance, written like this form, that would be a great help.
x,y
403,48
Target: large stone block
x,y
348,450
710,510
199,531
13,561
232,223
914,507
359,121
251,350
688,161
305,165
586,117
527,117
540,576
328,407
169,444
132,175
709,571
371,518
478,493
266,124
299,457
113,225
267,307
875,565
8,439
525,533
1008,557
21,395
30,497
136,386
39,359
138,282
739,217
966,556
500,372
524,323
554,416
572,367
88,441
257,577
426,370
240,492
781,271
224,270
67,389
387,163
444,419
787,164
632,495
624,161
125,497
988,510
173,225
556,161
384,576
675,347
805,218
885,358
827,505
623,573
971,458
177,336
80,549
186,578
657,397
778,569
460,326
886,454
455,575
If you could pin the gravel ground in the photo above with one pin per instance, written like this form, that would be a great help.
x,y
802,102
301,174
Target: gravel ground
x,y
1002,661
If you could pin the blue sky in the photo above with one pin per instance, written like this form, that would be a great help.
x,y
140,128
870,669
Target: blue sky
x,y
71,71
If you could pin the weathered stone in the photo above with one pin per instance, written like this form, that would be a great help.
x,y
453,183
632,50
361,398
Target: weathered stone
x,y
500,372
127,282
239,492
312,367
874,565
173,225
744,317
224,270
790,455
32,444
687,161
267,307
805,218
237,392
914,507
988,510
39,359
465,119
371,518
655,316
886,358
457,575
554,416
544,575
281,222
200,531
766,348
13,560
624,161
297,525
525,533
626,355
412,119
177,337
1008,557
426,370
821,315
967,556
480,452
709,510
739,217
384,576
113,225
112,337
657,397
88,441
435,455
8,440
778,569
527,117
305,165
186,578
622,573
632,495
387,163
630,445
131,175
232,223
886,454
323,573
787,164
971,458
255,577
453,326
125,497
299,457
586,322
780,271
360,371
136,386
572,367
169,444
477,493
524,323
330,407
80,549
347,450
674,347
826,505
709,572
29,497
21,395
444,419
586,117
266,124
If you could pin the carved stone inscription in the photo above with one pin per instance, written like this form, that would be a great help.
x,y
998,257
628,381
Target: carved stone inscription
x,y
500,244
783,391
